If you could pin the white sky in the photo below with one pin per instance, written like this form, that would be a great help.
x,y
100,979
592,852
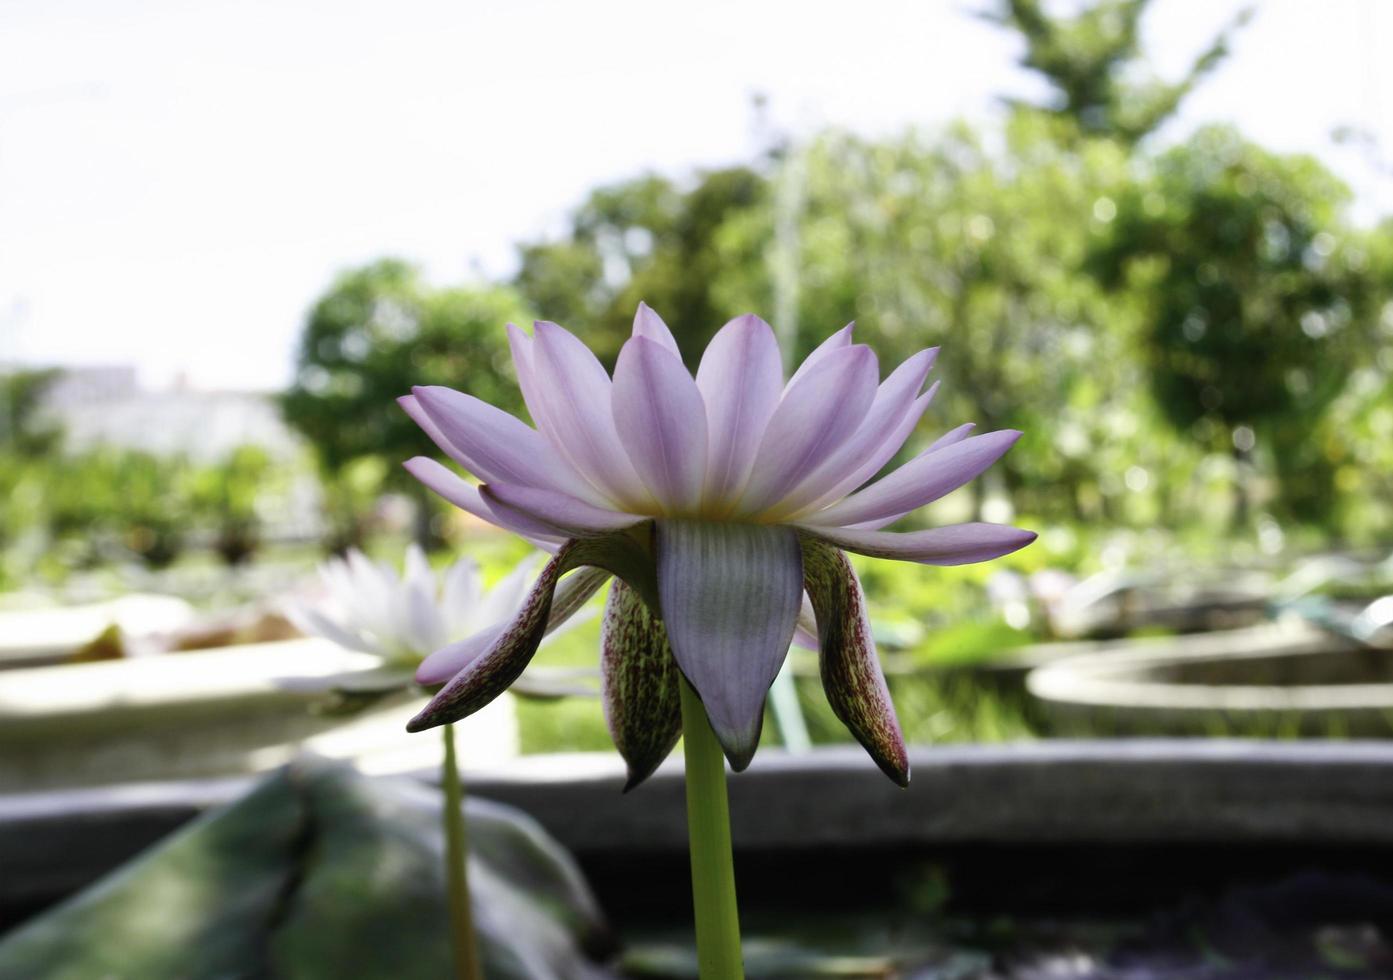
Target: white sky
x,y
179,180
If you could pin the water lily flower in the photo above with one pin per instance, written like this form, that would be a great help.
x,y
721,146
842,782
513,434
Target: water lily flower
x,y
722,502
400,619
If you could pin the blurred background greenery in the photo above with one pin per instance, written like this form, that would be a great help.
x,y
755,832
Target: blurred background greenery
x,y
1194,335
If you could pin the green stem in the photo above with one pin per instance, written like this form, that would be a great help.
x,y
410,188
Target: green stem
x,y
457,867
708,831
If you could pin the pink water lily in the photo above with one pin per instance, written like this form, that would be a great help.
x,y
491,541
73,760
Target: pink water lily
x,y
718,501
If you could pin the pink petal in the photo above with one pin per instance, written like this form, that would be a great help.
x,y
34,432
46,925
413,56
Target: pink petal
x,y
659,414
950,438
805,635
559,513
741,379
920,481
417,414
838,341
816,415
955,544
651,326
575,414
467,498
501,447
448,661
878,438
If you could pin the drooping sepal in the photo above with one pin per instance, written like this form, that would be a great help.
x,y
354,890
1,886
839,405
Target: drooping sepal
x,y
490,673
642,699
729,595
851,673
573,592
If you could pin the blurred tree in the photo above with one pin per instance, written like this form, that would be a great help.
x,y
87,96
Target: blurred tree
x,y
644,239
225,495
378,331
109,502
1256,300
27,439
1093,61
939,239
24,431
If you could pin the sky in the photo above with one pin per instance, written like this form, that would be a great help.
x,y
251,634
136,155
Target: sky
x,y
179,181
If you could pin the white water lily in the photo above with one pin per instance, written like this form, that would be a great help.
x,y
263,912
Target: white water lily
x,y
405,617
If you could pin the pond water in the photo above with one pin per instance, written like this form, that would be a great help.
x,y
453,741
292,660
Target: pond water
x,y
1112,914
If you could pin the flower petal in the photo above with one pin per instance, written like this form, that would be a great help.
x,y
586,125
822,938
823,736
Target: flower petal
x,y
950,438
467,498
449,660
955,544
557,513
642,699
502,448
417,414
568,598
805,635
651,326
489,673
920,481
312,622
851,673
816,415
834,343
876,440
729,595
575,413
659,414
883,454
741,378
461,595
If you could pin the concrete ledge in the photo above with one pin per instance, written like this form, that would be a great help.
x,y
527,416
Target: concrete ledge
x,y
1124,790
1281,679
1056,792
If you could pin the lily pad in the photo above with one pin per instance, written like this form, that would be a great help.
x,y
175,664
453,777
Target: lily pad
x,y
320,872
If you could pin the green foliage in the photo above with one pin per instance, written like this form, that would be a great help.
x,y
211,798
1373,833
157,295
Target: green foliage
x,y
225,495
643,239
1093,60
24,432
1256,297
112,502
378,331
947,238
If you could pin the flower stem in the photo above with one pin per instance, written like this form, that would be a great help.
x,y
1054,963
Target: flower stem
x,y
708,831
457,866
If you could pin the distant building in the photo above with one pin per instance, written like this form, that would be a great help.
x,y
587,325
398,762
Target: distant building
x,y
106,406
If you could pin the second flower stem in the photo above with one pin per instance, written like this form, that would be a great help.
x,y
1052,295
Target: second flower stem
x,y
462,941
708,832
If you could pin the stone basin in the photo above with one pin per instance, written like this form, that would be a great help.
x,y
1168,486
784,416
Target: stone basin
x,y
1279,679
207,713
